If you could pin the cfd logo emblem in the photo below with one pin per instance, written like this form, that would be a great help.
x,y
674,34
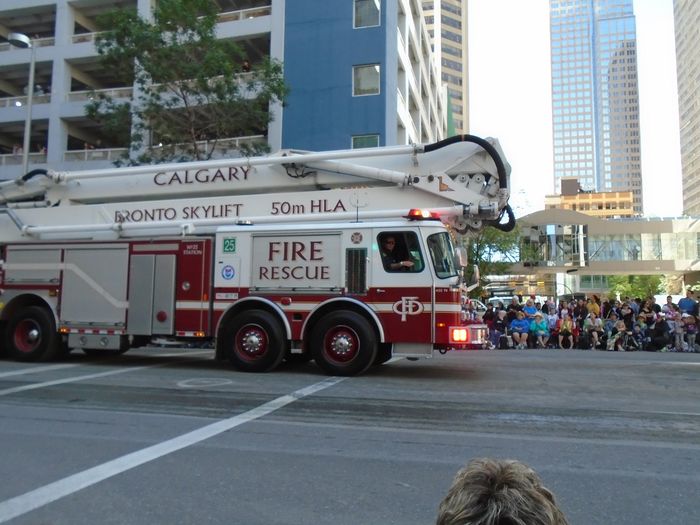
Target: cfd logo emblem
x,y
408,306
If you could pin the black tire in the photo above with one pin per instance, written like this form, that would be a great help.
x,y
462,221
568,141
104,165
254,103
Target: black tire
x,y
343,343
253,341
383,354
31,335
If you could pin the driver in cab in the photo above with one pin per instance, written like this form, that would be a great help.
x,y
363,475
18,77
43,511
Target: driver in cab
x,y
391,257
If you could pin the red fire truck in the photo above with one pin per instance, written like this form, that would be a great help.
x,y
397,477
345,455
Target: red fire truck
x,y
284,256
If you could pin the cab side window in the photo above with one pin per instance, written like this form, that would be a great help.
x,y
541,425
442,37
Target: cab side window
x,y
400,252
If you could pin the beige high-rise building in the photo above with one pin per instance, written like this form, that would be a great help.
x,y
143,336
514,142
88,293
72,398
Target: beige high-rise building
x,y
686,14
451,50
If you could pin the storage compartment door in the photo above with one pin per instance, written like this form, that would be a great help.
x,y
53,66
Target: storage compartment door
x,y
141,284
151,295
163,321
94,285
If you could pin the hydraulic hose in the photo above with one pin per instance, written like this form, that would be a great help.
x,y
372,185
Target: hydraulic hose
x,y
500,169
33,173
498,161
508,226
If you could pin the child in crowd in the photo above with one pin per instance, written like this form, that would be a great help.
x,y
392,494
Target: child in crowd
x,y
639,331
678,331
691,329
673,318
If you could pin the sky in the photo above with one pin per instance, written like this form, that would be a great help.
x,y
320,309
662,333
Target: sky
x,y
510,97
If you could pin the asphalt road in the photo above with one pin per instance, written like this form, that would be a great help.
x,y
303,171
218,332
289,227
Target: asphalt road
x,y
148,438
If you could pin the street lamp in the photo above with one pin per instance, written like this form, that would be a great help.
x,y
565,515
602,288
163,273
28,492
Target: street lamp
x,y
23,42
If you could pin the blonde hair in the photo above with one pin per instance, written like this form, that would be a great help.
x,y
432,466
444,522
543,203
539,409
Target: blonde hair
x,y
490,492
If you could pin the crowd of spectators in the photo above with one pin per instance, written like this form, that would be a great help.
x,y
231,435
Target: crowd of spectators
x,y
616,325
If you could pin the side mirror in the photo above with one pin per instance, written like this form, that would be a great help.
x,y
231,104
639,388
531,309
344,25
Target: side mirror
x,y
476,277
461,259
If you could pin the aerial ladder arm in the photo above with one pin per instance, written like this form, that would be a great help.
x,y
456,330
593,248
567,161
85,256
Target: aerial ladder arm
x,y
463,178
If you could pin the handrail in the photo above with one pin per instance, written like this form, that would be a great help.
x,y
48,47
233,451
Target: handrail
x,y
87,94
243,14
22,100
15,159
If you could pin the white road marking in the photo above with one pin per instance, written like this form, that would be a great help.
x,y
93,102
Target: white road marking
x,y
204,382
34,370
73,379
29,501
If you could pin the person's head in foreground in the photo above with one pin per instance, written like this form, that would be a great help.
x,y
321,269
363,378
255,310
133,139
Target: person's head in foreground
x,y
498,492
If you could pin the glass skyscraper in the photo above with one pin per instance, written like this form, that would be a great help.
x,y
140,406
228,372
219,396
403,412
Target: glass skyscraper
x,y
687,14
595,96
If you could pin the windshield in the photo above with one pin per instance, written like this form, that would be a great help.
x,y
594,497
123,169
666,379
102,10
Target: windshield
x,y
442,255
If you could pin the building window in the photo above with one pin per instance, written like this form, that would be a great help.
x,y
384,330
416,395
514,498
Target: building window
x,y
365,80
366,13
365,141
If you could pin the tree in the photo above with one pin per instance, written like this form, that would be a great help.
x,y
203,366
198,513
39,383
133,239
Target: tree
x,y
634,285
189,85
492,250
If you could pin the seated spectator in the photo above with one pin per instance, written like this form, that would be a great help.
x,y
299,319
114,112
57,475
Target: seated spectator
x,y
648,311
519,330
566,329
498,329
618,337
552,320
659,334
609,324
627,315
493,492
513,308
530,310
678,332
539,331
489,315
640,331
593,326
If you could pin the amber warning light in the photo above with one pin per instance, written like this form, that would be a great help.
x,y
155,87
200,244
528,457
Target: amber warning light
x,y
416,214
459,334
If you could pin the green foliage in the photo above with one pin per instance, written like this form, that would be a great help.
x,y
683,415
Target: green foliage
x,y
492,250
189,86
634,285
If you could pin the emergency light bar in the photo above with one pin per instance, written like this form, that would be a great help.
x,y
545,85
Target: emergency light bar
x,y
416,214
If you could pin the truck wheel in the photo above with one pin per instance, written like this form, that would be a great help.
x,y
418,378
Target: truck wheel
x,y
343,344
253,341
383,354
31,335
